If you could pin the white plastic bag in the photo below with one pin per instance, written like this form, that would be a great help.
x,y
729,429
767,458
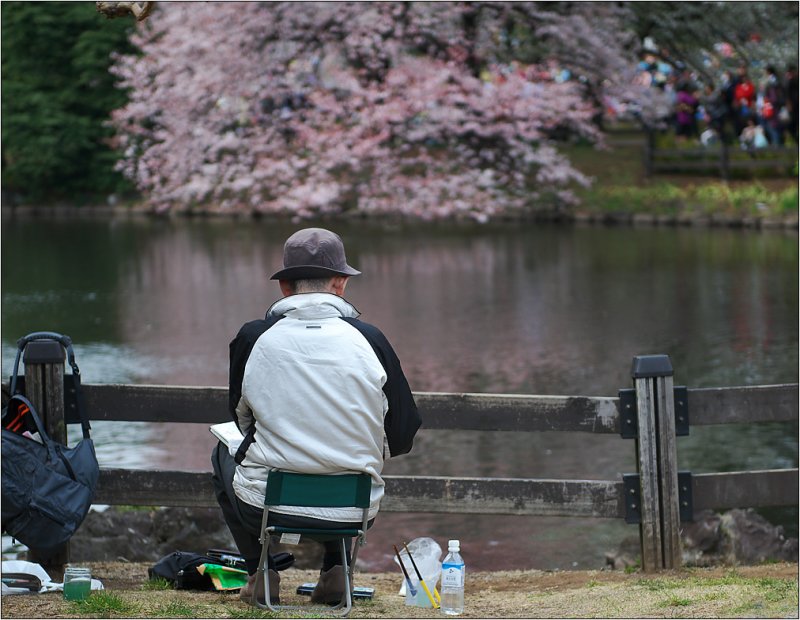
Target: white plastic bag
x,y
30,568
427,555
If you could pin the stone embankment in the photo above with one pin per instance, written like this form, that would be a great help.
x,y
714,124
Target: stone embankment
x,y
687,220
579,217
732,538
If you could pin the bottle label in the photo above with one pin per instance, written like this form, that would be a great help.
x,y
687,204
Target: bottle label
x,y
453,575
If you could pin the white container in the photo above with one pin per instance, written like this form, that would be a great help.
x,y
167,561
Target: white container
x,y
77,583
420,599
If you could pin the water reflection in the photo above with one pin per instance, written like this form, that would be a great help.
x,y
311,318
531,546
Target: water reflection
x,y
528,309
524,309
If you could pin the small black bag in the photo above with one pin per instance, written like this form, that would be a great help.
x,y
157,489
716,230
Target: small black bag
x,y
47,488
180,567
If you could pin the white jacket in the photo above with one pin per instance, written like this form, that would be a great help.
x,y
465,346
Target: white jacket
x,y
315,390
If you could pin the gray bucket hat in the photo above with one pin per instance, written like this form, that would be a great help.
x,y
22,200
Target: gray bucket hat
x,y
313,253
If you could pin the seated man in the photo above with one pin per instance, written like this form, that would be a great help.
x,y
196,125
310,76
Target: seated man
x,y
313,390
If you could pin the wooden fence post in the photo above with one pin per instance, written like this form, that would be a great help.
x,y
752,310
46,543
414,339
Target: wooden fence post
x,y
649,151
724,162
656,453
44,387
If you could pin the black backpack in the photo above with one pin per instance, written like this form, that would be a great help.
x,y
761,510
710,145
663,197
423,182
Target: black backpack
x,y
180,567
47,488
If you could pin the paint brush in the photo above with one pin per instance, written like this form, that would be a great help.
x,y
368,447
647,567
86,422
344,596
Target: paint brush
x,y
421,580
411,588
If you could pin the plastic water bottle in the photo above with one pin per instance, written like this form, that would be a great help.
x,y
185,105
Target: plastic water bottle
x,y
453,580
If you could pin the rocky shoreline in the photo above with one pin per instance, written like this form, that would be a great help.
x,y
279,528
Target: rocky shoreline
x,y
733,538
144,535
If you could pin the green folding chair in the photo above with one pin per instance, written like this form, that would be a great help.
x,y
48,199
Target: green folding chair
x,y
318,491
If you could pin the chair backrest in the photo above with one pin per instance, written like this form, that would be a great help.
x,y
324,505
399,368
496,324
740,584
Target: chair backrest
x,y
318,490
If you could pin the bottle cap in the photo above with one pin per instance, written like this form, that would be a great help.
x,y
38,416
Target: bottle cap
x,y
453,544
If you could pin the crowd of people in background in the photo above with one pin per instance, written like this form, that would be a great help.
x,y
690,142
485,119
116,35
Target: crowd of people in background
x,y
754,110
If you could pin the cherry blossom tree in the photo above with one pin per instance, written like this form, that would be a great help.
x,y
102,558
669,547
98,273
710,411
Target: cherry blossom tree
x,y
709,37
424,110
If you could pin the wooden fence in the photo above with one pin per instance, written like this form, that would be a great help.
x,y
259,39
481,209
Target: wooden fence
x,y
720,159
650,414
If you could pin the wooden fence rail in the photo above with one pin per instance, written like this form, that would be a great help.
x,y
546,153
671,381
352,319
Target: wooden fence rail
x,y
654,497
510,496
720,159
447,411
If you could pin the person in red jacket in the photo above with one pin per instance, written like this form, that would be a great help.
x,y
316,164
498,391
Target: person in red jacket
x,y
744,99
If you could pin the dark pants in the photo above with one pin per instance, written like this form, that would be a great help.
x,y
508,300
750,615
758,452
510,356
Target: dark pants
x,y
244,520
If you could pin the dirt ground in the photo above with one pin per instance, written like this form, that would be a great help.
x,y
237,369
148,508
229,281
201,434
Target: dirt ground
x,y
769,590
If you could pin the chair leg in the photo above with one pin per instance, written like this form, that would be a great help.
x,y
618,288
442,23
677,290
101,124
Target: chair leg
x,y
267,598
263,571
350,569
348,575
357,543
345,604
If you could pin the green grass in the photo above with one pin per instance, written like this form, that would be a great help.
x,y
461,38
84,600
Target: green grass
x,y
676,601
656,585
103,604
621,186
176,609
776,589
159,583
712,198
748,609
250,612
763,595
731,577
773,589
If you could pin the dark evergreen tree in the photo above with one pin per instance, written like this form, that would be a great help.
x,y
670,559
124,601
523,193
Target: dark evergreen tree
x,y
56,97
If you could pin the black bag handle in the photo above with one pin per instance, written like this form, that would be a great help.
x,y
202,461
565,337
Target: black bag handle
x,y
46,441
65,342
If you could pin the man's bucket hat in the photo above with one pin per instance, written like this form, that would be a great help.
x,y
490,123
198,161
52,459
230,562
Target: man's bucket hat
x,y
313,253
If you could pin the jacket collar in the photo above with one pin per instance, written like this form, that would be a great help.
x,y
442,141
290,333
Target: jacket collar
x,y
313,306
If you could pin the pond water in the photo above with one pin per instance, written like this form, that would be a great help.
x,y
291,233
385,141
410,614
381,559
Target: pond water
x,y
523,308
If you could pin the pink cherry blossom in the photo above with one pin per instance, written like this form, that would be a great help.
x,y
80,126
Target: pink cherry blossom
x,y
404,109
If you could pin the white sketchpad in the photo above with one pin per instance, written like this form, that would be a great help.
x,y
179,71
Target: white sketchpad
x,y
229,434
30,568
